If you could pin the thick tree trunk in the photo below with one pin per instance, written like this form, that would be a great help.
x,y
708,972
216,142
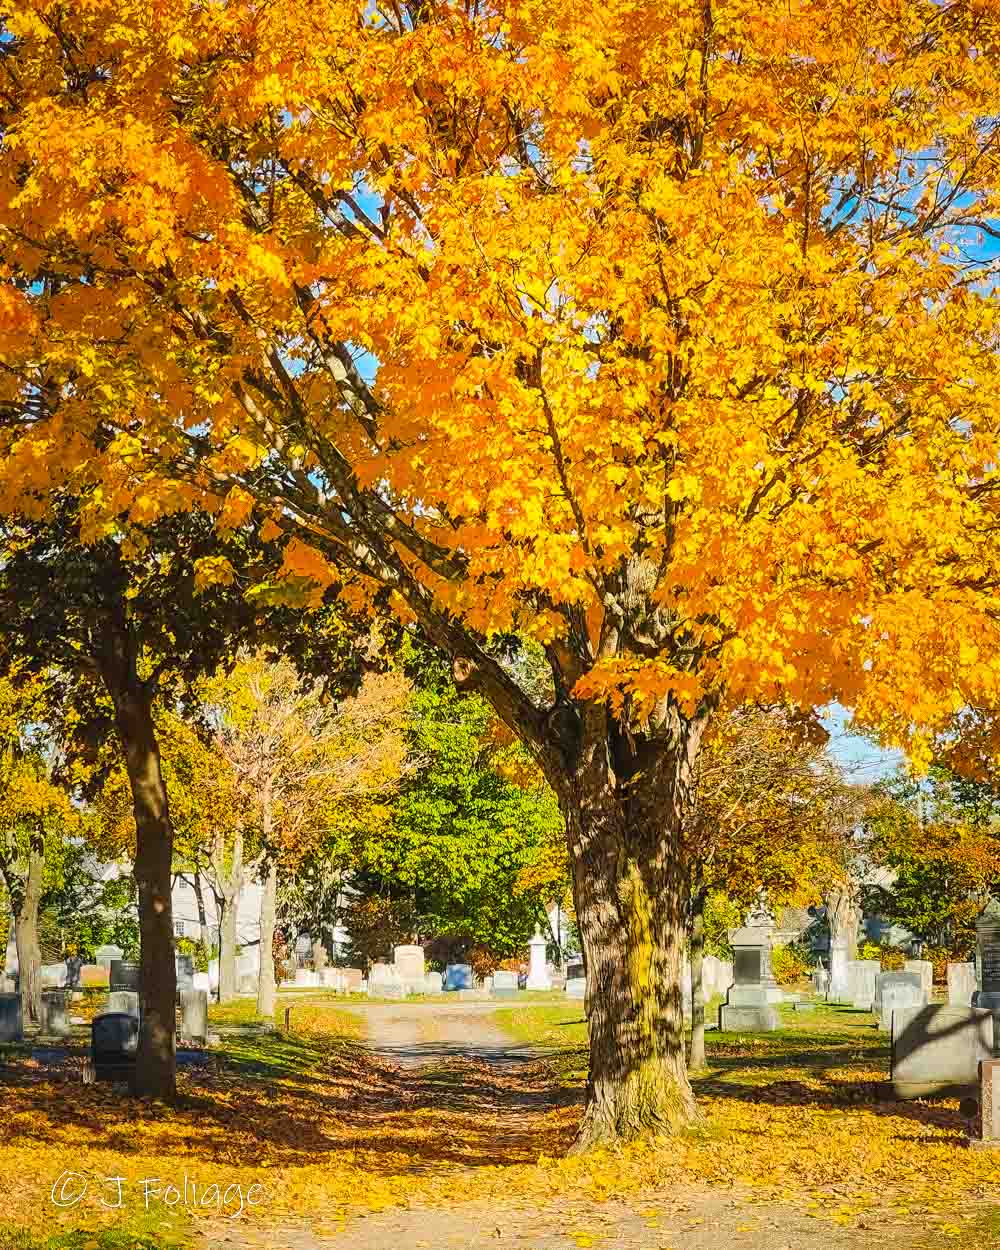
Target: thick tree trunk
x,y
266,987
155,1061
229,875
624,811
696,1057
29,953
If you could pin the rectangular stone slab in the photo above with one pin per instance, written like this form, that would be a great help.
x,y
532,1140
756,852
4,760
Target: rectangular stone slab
x,y
937,1050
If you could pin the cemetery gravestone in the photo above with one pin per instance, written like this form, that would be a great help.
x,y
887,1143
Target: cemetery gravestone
x,y
961,984
305,977
331,979
938,1049
194,1015
574,969
576,987
821,980
750,999
988,963
897,990
124,1001
185,972
989,1103
433,983
861,975
114,1039
409,964
54,976
458,977
11,1026
200,981
839,990
925,970
125,975
538,973
104,955
54,1019
505,984
352,980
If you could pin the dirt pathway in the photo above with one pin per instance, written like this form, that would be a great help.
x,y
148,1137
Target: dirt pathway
x,y
412,1035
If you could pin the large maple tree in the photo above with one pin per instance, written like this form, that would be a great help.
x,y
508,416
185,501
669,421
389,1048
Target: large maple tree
x,y
658,332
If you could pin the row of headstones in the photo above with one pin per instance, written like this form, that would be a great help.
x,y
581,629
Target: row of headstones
x,y
56,1021
716,978
110,971
869,987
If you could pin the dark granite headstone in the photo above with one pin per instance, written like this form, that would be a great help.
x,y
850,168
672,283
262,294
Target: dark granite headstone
x,y
114,1038
125,975
747,966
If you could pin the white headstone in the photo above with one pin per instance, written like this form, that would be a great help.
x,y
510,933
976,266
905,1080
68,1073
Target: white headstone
x,y
861,980
839,989
306,977
433,983
538,974
576,987
961,984
105,954
925,969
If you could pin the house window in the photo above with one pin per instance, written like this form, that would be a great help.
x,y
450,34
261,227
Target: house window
x,y
178,928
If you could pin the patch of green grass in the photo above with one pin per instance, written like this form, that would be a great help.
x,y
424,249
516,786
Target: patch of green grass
x,y
109,1239
561,1026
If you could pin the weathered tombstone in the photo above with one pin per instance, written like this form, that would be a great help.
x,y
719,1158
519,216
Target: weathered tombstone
x,y
938,1049
93,976
409,964
821,980
574,969
125,975
458,977
433,983
201,981
331,979
988,963
505,984
114,1038
897,990
54,976
384,981
861,974
11,1025
839,990
576,987
306,977
104,955
538,973
750,999
54,1020
352,980
925,970
124,1002
716,976
961,984
194,1015
185,972
989,1104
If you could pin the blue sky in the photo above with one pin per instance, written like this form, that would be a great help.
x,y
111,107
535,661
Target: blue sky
x,y
865,761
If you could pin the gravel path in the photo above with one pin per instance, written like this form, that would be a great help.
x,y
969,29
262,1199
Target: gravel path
x,y
412,1035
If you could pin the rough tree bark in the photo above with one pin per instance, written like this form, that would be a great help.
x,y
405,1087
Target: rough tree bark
x,y
156,1058
623,801
696,1056
842,917
29,954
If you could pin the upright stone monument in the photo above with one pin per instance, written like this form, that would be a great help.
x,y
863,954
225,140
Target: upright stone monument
x,y
538,974
104,955
821,980
839,990
185,972
409,964
504,984
937,1050
11,1025
124,1002
898,990
125,975
989,1104
54,1020
458,977
961,984
750,1000
988,963
925,970
861,975
194,1015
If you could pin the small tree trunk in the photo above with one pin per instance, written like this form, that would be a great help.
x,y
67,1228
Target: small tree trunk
x,y
266,987
230,878
199,896
624,824
696,1059
29,953
155,1060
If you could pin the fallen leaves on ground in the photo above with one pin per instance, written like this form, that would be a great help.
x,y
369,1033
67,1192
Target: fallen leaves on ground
x,y
327,1129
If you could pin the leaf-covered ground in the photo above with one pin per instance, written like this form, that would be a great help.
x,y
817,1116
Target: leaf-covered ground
x,y
795,1122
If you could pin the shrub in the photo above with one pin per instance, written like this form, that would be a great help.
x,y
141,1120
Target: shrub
x,y
891,958
788,965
